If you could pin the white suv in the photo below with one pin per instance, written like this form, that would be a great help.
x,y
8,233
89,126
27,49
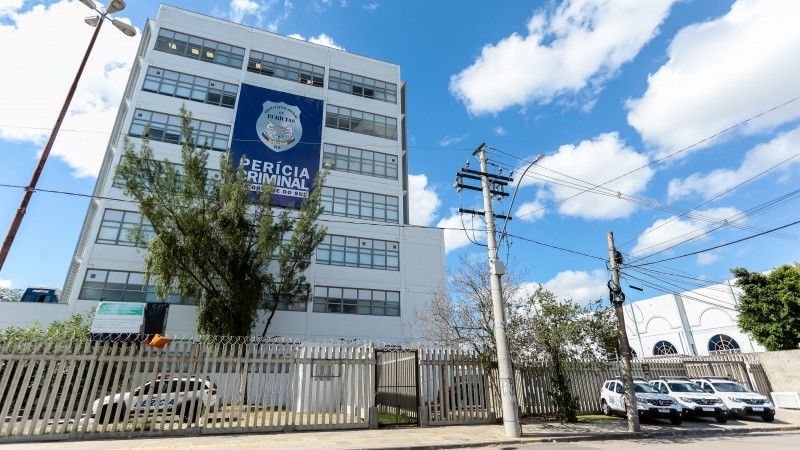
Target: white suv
x,y
177,395
649,402
740,400
693,400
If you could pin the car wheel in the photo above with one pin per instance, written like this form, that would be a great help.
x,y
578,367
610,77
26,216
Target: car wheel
x,y
676,419
722,418
605,408
768,417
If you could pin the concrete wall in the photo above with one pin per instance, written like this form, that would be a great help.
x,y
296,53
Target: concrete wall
x,y
782,369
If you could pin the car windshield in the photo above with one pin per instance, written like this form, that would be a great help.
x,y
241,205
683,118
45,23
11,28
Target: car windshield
x,y
685,387
729,387
644,388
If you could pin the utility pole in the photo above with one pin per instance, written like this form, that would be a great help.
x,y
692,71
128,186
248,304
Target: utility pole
x,y
617,299
492,185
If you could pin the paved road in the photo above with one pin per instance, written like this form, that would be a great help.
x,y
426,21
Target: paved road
x,y
750,441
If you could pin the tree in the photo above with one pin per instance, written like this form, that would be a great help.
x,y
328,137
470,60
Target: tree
x,y
212,242
559,332
769,310
460,314
9,294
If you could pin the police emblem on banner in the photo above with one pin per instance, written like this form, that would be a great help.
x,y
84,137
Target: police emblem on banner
x,y
279,126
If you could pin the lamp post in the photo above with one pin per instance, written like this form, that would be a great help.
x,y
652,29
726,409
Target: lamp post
x,y
94,21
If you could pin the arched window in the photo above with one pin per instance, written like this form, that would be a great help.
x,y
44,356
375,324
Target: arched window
x,y
664,348
722,343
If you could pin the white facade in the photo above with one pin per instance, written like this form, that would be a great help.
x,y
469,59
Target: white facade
x,y
102,258
698,322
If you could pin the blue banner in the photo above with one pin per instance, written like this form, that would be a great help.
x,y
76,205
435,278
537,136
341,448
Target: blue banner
x,y
280,137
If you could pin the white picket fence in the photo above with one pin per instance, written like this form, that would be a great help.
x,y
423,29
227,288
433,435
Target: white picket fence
x,y
48,388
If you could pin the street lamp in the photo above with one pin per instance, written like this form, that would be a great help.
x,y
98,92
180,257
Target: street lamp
x,y
94,21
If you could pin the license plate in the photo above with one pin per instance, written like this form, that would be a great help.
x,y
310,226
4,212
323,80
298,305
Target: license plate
x,y
663,410
758,409
708,409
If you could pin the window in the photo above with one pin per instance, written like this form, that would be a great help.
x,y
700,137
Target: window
x,y
190,87
211,174
359,252
121,286
664,348
195,47
167,128
362,86
371,302
721,344
354,160
361,205
116,224
361,122
288,69
300,302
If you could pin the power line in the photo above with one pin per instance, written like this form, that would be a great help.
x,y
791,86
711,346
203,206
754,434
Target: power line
x,y
719,246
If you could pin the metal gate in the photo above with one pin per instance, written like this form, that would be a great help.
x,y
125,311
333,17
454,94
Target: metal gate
x,y
396,388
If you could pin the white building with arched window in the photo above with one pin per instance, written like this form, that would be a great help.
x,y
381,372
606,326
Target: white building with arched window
x,y
698,322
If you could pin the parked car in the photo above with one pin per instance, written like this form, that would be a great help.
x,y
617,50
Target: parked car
x,y
694,401
739,400
649,401
177,395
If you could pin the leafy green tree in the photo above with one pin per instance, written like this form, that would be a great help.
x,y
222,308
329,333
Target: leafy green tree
x,y
769,310
210,241
559,332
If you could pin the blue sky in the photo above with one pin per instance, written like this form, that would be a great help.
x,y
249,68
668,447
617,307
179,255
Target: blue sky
x,y
640,98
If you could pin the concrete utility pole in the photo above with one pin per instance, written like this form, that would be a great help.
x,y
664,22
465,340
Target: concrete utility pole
x,y
617,298
507,391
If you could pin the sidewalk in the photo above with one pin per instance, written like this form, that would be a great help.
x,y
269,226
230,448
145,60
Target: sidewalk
x,y
434,437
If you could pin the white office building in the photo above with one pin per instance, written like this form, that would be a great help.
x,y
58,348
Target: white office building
x,y
697,322
292,107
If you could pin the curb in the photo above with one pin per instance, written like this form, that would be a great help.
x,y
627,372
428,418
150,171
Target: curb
x,y
616,436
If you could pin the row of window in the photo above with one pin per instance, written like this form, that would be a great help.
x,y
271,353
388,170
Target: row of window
x,y
356,301
361,122
359,252
360,205
334,250
355,160
114,285
718,344
167,128
194,47
288,69
190,87
362,86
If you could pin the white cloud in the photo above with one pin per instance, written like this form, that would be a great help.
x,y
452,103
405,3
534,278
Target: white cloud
x,y
705,259
370,7
784,147
43,71
721,72
241,8
423,200
671,231
5,283
603,158
322,39
454,235
500,131
529,211
451,140
570,49
10,7
582,287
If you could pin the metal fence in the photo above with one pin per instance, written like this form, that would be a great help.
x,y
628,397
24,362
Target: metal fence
x,y
79,389
82,389
534,382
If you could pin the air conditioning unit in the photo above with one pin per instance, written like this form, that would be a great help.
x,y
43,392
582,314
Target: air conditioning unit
x,y
790,400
